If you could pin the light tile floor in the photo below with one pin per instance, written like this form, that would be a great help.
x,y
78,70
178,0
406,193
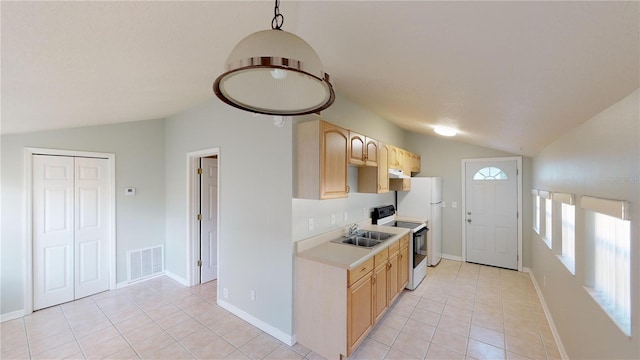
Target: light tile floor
x,y
460,311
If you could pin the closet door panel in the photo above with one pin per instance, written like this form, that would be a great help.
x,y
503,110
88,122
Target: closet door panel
x,y
53,230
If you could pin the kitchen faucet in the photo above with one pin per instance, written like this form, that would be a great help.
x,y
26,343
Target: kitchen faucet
x,y
353,229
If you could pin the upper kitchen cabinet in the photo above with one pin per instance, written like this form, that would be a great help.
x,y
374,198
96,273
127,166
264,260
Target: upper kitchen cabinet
x,y
322,158
363,151
375,179
394,157
415,163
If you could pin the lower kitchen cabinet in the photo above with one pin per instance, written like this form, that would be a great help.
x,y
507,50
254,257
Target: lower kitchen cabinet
x,y
380,278
323,323
403,263
392,273
359,310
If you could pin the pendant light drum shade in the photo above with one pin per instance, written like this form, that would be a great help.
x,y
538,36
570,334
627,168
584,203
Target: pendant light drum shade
x,y
275,72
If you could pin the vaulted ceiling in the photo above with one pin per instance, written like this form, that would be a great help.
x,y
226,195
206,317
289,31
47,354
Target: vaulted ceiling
x,y
509,75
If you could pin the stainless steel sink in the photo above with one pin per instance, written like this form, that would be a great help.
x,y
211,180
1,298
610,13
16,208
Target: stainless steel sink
x,y
361,241
365,238
376,235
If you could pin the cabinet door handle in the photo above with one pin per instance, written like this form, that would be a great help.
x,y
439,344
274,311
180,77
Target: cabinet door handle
x,y
373,280
363,269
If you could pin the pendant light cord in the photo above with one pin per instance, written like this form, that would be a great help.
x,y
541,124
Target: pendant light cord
x,y
278,19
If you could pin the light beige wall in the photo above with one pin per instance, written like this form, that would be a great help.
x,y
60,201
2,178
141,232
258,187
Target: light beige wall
x,y
599,158
443,157
139,149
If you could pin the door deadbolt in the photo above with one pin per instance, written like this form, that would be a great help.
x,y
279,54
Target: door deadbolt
x,y
468,212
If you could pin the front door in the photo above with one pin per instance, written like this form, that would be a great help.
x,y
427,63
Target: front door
x,y
491,200
209,223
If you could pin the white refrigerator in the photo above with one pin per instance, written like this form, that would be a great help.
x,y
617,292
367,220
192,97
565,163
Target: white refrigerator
x,y
424,200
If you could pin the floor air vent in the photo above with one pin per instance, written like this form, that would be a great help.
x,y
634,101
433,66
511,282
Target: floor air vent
x,y
143,263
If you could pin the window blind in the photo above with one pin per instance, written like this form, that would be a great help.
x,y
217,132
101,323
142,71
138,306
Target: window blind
x,y
564,198
615,208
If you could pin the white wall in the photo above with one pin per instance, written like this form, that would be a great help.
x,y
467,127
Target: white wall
x,y
256,251
139,149
599,158
442,157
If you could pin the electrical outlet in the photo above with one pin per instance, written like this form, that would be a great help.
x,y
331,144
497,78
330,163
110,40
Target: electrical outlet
x,y
225,293
444,204
345,216
333,219
454,204
252,295
310,224
365,211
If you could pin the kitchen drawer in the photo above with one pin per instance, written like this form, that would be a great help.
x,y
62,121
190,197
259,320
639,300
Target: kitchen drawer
x,y
381,257
393,248
404,241
360,271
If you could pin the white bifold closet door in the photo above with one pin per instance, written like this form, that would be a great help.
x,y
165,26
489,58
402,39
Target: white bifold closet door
x,y
70,228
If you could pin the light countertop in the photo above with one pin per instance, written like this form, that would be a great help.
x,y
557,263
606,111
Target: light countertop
x,y
321,249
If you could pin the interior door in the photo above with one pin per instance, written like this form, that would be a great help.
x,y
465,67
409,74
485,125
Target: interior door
x,y
91,226
53,230
491,198
209,223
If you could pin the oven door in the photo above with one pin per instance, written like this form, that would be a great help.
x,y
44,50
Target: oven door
x,y
419,246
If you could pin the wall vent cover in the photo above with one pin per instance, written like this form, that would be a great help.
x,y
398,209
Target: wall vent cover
x,y
143,263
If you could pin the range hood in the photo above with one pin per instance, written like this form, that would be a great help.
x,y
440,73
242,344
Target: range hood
x,y
397,174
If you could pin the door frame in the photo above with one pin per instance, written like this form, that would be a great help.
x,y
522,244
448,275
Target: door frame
x,y
28,234
193,201
518,160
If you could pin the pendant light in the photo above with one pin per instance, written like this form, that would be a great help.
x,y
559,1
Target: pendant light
x,y
275,72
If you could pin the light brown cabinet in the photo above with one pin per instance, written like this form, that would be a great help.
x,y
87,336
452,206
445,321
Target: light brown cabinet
x,y
360,295
403,263
324,324
405,162
400,184
322,160
380,300
363,151
392,273
375,179
415,163
394,157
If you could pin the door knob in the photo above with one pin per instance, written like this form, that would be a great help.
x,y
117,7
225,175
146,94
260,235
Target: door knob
x,y
468,220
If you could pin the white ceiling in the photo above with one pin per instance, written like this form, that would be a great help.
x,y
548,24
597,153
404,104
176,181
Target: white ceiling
x,y
510,75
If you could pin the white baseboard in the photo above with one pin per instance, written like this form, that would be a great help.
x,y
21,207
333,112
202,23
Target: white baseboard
x,y
124,284
452,257
12,315
547,314
177,278
276,333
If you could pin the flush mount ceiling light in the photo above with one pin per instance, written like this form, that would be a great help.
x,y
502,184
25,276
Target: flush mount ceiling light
x,y
275,72
445,131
